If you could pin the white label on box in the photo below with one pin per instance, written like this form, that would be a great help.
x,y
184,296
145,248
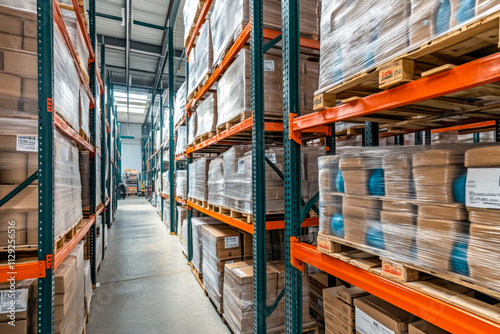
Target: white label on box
x,y
367,325
247,206
269,65
272,157
19,297
483,188
231,242
241,166
227,262
27,143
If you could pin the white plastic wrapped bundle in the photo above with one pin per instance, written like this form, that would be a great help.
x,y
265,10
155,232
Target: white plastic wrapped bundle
x,y
192,65
198,176
207,115
193,127
234,90
67,186
181,142
98,190
204,53
166,124
75,34
238,188
215,183
230,16
181,218
180,104
183,234
196,225
181,184
189,13
97,121
66,82
358,35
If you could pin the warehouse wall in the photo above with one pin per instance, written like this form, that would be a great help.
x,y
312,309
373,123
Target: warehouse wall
x,y
131,148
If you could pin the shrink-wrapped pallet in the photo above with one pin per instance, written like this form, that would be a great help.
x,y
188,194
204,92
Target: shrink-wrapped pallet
x,y
75,34
180,104
192,65
198,177
215,183
234,90
181,184
230,16
189,14
359,35
207,116
204,54
196,225
181,141
193,127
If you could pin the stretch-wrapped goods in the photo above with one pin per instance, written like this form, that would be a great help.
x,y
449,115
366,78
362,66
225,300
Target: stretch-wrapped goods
x,y
180,104
193,127
181,141
181,184
230,16
196,225
204,53
215,183
207,115
358,35
198,176
433,207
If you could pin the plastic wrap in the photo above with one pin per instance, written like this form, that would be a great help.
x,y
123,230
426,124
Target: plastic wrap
x,y
184,232
75,34
98,189
358,35
198,176
192,65
215,183
181,184
221,245
196,225
166,124
234,91
189,13
230,16
180,104
84,163
66,82
181,218
432,207
204,54
207,115
67,186
238,190
181,141
193,127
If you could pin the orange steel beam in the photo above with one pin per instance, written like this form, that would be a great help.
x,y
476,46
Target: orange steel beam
x,y
108,200
304,42
165,196
180,200
475,73
58,19
270,225
22,271
465,127
180,156
440,313
83,29
201,20
67,130
237,46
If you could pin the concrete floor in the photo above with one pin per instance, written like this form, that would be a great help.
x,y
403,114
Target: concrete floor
x,y
145,284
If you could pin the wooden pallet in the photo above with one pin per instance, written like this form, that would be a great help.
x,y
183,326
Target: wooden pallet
x,y
448,287
217,304
310,327
235,120
182,121
477,39
63,238
206,136
203,204
84,136
199,278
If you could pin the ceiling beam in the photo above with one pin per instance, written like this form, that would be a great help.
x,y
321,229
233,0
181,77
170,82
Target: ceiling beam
x,y
136,46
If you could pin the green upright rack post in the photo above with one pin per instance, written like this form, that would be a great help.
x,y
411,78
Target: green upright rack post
x,y
160,152
291,105
93,170
45,312
188,162
171,91
104,156
258,168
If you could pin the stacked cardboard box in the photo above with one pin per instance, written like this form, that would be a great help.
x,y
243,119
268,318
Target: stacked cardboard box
x,y
181,217
23,310
69,310
196,225
180,104
338,304
193,127
181,188
221,245
215,182
198,177
423,327
181,141
207,115
317,283
88,286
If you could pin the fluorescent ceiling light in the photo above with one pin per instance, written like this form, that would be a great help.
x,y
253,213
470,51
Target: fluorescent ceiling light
x,y
132,110
123,95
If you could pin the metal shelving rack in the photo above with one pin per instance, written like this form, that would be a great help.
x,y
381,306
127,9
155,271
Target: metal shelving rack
x,y
48,13
475,73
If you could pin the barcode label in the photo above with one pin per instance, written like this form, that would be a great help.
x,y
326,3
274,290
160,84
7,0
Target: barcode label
x,y
269,65
231,242
27,143
241,166
18,296
272,157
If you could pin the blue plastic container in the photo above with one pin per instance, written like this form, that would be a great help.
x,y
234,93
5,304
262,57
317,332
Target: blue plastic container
x,y
375,236
459,188
339,182
376,183
458,259
337,225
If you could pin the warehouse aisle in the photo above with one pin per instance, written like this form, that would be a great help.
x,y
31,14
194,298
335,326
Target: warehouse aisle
x,y
145,283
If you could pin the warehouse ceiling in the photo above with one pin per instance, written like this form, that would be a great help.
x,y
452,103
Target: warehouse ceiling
x,y
147,33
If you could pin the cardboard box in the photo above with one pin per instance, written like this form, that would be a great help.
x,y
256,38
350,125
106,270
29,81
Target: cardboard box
x,y
21,327
227,241
20,237
10,85
10,103
26,200
398,206
32,237
330,299
397,161
337,325
483,157
11,41
21,64
438,157
29,88
434,211
400,189
399,231
356,175
348,295
356,188
361,202
352,163
11,25
30,44
482,255
374,315
397,175
484,216
24,300
361,213
64,275
16,167
424,327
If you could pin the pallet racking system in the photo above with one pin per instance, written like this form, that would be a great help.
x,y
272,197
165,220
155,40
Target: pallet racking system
x,y
49,17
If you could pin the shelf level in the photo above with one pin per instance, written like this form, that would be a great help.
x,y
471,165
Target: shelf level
x,y
199,23
270,225
440,313
68,131
475,73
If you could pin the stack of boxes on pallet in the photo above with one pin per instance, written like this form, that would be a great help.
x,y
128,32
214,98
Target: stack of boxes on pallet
x,y
429,207
23,310
338,305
